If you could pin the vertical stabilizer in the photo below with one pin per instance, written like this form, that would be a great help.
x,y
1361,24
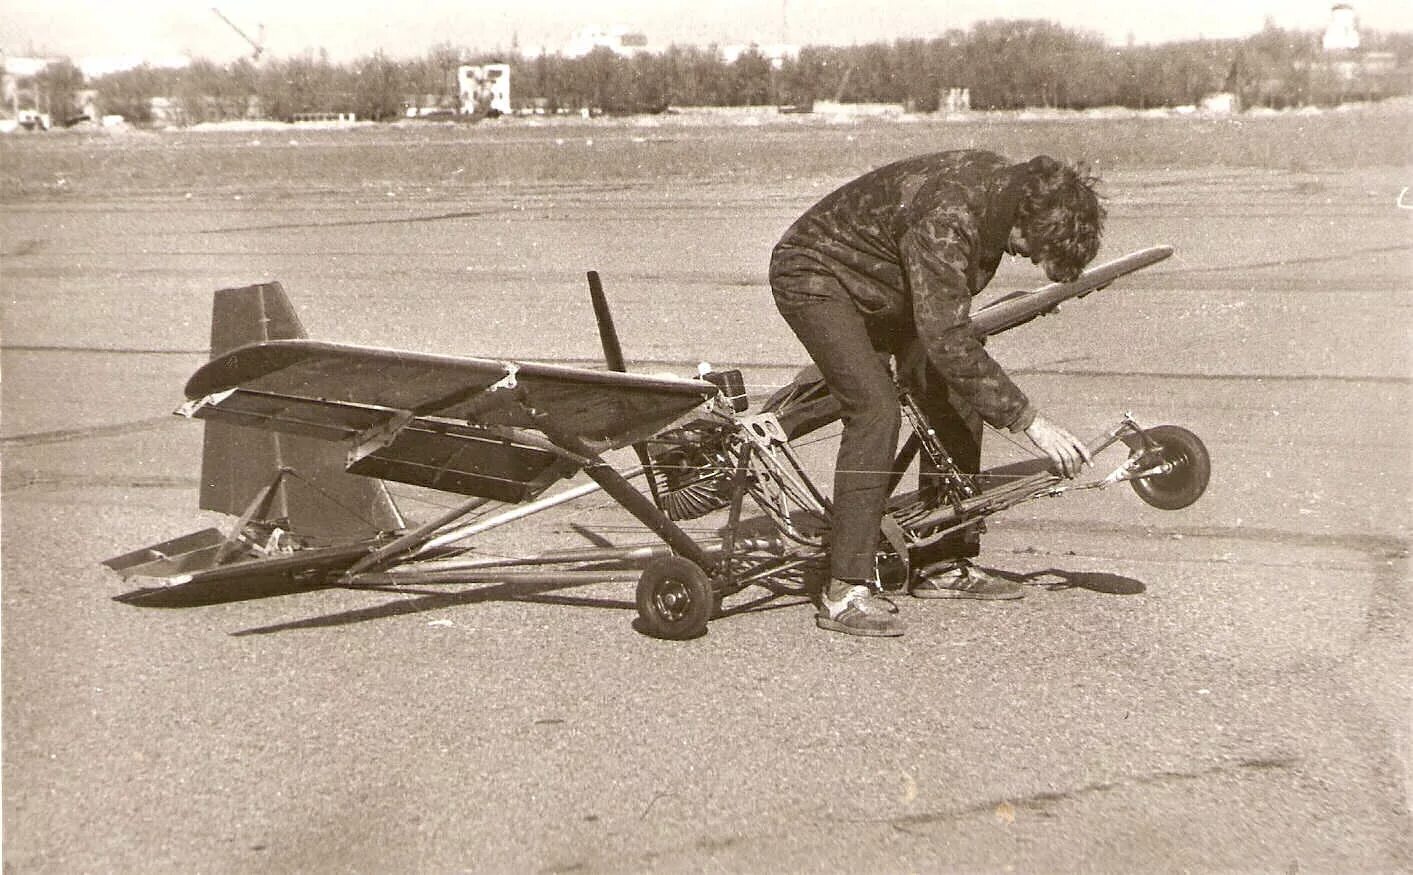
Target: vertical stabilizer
x,y
316,498
252,314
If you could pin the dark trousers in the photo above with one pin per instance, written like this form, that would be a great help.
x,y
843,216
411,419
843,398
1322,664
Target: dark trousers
x,y
959,430
853,357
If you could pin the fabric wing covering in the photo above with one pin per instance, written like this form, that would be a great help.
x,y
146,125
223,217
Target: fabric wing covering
x,y
466,425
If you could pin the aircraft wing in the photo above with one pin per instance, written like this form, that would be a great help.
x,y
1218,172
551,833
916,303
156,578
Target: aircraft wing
x,y
1019,308
805,404
468,425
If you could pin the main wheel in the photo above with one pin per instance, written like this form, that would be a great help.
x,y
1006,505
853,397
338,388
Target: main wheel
x,y
675,599
1192,468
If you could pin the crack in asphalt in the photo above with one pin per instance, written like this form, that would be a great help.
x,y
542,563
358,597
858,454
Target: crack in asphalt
x,y
36,480
1380,546
1041,801
1207,378
64,435
1287,262
351,223
101,350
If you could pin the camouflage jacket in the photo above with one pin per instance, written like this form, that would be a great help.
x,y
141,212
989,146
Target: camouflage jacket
x,y
911,243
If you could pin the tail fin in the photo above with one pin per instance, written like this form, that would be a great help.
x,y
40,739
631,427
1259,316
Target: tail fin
x,y
315,499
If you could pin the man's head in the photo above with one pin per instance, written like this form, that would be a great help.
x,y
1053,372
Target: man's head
x,y
1059,219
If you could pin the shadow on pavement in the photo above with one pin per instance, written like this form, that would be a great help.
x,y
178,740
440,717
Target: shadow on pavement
x,y
201,594
1094,581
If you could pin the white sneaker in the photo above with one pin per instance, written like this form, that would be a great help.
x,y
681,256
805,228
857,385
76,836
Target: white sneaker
x,y
858,612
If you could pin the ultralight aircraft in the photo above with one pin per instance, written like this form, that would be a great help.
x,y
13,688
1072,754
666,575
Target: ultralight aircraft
x,y
301,435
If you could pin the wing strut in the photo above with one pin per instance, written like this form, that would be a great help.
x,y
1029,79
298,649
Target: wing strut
x,y
643,508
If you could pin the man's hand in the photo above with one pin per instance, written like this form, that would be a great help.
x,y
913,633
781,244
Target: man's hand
x,y
1066,451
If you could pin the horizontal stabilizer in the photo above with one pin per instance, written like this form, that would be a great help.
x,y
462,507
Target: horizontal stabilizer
x,y
246,575
181,556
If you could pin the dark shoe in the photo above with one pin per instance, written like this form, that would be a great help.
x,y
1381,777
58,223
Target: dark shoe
x,y
962,580
858,612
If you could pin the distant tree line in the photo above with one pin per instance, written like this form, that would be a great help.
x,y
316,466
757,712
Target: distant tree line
x,y
1005,64
375,87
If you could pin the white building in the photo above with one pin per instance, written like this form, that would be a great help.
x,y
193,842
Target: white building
x,y
484,90
23,68
19,99
1342,33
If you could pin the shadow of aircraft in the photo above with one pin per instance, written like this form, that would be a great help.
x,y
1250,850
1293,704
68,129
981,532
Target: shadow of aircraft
x,y
786,590
1054,579
204,593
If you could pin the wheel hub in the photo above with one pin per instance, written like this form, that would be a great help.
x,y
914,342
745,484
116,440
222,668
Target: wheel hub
x,y
672,599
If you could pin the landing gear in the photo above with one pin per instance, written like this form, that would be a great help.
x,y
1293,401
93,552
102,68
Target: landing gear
x,y
675,599
1185,467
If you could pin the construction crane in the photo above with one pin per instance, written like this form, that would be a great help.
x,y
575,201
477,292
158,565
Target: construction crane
x,y
257,46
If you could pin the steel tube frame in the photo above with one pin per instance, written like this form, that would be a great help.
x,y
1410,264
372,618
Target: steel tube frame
x,y
1010,494
415,538
516,513
579,556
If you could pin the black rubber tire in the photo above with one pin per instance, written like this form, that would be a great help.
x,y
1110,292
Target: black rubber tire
x,y
675,599
1187,481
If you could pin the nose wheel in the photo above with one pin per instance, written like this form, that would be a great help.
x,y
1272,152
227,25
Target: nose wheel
x,y
1184,467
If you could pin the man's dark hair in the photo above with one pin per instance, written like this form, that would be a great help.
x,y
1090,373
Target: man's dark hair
x,y
1060,215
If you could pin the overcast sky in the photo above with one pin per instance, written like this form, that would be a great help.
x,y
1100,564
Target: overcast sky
x,y
353,28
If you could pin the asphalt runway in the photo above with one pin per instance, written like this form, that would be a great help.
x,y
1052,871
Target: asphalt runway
x,y
1223,687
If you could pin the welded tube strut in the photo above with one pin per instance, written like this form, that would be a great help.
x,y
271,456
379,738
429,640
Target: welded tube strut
x,y
1008,495
577,556
461,533
414,538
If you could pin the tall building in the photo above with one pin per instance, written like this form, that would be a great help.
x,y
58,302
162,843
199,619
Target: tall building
x,y
1342,33
484,89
